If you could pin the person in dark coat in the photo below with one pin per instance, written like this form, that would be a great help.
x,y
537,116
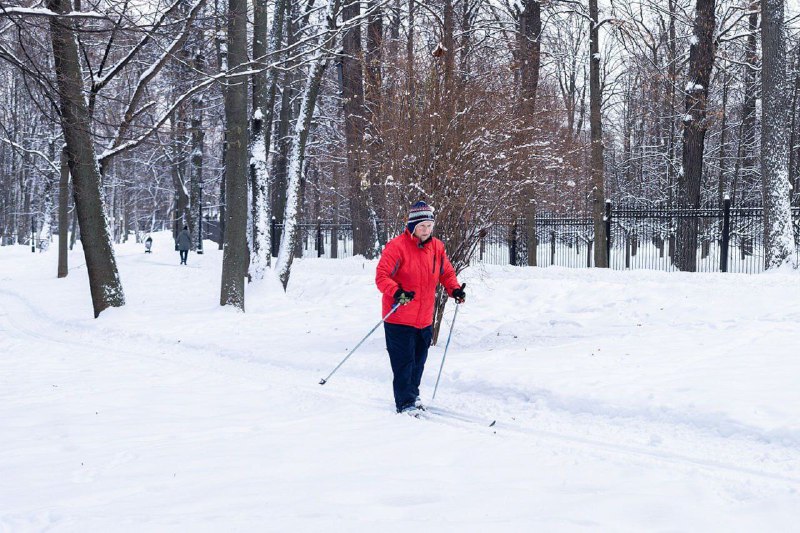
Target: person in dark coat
x,y
410,268
182,243
148,245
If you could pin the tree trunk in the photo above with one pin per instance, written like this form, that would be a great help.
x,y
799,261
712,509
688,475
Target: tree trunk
x,y
411,88
701,61
372,107
63,215
529,36
264,91
104,282
196,156
751,89
672,70
722,182
596,127
794,147
282,138
354,114
779,245
235,257
283,263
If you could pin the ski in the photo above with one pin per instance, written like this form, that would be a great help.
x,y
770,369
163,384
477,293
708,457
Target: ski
x,y
447,413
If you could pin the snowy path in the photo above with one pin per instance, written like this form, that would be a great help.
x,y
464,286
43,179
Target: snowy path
x,y
176,415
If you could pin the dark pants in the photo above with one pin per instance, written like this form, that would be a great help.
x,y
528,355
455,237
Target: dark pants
x,y
184,255
408,350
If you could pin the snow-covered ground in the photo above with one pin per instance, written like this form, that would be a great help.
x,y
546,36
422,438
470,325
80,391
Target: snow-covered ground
x,y
625,401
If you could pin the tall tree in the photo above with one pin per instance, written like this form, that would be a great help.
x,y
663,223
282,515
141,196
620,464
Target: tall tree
x,y
695,125
372,108
104,282
235,255
354,125
265,46
529,36
779,236
598,195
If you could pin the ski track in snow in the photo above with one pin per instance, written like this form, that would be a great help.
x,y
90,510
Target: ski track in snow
x,y
662,436
746,460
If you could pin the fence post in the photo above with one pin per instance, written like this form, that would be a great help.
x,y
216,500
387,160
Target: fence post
x,y
531,236
319,237
608,233
513,250
726,234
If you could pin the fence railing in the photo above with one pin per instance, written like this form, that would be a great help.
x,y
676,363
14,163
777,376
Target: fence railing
x,y
729,239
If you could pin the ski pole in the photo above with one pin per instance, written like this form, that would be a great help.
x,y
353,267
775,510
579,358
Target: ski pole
x,y
445,351
323,381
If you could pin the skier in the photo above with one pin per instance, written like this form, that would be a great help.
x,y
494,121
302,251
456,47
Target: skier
x,y
410,268
182,243
148,245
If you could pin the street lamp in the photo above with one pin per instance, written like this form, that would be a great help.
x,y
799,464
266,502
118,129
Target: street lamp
x,y
200,218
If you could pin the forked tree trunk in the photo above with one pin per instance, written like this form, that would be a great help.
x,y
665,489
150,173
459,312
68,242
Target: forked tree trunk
x,y
104,282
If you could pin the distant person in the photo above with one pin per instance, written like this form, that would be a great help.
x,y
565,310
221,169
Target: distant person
x,y
183,243
411,267
148,245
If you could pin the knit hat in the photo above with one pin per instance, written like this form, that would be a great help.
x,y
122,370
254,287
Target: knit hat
x,y
419,212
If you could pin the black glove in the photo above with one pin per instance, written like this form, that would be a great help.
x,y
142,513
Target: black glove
x,y
403,297
459,294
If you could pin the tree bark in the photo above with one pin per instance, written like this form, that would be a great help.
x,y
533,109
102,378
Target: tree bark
x,y
779,241
235,256
529,36
264,91
354,114
63,216
596,127
196,155
701,61
751,89
372,107
104,282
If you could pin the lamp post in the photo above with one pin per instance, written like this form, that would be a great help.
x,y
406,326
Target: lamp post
x,y
200,218
175,220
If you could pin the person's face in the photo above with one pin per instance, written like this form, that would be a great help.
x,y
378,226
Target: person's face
x,y
423,230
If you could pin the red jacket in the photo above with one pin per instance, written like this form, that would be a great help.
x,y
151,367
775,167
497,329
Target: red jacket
x,y
415,267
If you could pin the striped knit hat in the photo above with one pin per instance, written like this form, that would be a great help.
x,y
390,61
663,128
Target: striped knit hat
x,y
419,212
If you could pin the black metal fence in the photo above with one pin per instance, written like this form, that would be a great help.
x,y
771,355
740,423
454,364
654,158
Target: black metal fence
x,y
730,239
